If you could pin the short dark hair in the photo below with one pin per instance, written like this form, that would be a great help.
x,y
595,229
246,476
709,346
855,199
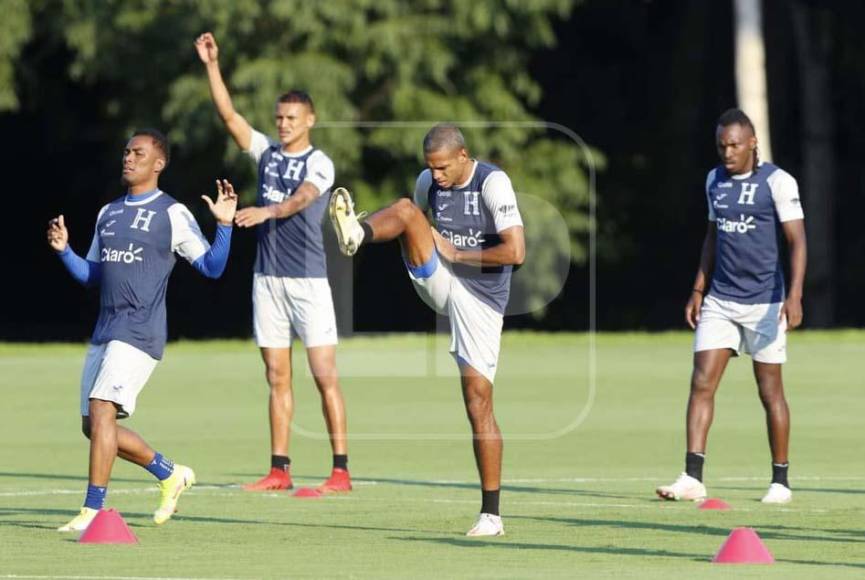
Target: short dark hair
x,y
443,136
735,117
160,141
297,96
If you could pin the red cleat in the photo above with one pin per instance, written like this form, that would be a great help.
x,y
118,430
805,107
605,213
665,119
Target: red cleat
x,y
338,482
277,479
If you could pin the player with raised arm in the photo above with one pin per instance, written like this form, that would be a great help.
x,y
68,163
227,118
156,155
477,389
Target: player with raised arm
x,y
461,268
130,259
291,294
738,303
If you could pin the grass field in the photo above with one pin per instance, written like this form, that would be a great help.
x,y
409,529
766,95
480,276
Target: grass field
x,y
581,461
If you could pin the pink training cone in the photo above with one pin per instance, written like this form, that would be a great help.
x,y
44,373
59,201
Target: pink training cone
x,y
713,504
108,527
743,546
307,492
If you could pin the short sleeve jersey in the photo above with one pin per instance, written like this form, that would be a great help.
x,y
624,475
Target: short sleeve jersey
x,y
471,215
748,211
135,241
293,246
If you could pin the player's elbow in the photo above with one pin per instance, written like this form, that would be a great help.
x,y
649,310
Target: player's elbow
x,y
518,255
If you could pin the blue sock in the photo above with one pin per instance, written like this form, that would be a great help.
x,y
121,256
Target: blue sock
x,y
95,497
161,467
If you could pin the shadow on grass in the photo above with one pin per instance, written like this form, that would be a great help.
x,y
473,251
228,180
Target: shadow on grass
x,y
504,544
769,532
59,477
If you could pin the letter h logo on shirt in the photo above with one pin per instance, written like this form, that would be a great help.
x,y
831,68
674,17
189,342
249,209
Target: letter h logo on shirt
x,y
143,220
746,197
293,169
471,207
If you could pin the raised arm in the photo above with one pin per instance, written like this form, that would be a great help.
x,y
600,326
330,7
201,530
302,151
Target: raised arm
x,y
703,277
794,232
85,272
237,126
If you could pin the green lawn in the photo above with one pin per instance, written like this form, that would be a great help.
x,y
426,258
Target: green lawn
x,y
582,458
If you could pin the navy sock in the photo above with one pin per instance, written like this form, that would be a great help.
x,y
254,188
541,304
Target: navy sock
x,y
779,474
280,462
694,465
95,497
367,233
161,467
340,462
490,502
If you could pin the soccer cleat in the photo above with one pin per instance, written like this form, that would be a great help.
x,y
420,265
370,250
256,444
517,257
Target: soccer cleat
x,y
685,488
338,482
181,479
349,234
80,522
487,525
778,493
276,480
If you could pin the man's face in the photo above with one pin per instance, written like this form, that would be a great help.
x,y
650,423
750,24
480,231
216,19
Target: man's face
x,y
449,167
293,122
736,144
141,161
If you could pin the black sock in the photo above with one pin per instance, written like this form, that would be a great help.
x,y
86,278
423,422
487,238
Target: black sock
x,y
779,474
280,462
367,233
490,502
340,462
694,465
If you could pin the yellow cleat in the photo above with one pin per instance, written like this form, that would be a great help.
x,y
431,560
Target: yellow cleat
x,y
179,481
80,522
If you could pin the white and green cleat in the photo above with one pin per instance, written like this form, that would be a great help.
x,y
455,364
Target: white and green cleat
x,y
181,479
80,522
345,222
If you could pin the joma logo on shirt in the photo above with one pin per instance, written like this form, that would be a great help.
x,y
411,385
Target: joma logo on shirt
x,y
743,226
128,256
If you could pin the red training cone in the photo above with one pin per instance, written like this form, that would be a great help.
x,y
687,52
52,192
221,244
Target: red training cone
x,y
108,527
307,492
713,504
743,546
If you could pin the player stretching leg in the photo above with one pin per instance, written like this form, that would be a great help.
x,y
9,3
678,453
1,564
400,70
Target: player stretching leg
x,y
473,206
740,274
291,294
130,259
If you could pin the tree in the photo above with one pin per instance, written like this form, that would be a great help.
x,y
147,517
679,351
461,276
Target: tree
x,y
366,63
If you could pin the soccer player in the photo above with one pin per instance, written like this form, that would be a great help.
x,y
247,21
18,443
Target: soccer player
x,y
737,303
291,295
130,259
461,268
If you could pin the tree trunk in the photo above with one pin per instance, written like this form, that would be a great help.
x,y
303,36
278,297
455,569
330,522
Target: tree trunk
x,y
813,35
751,70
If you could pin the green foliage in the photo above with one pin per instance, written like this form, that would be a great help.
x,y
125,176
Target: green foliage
x,y
366,63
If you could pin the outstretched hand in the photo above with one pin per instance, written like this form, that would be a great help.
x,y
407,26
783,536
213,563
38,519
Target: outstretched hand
x,y
207,49
225,206
58,235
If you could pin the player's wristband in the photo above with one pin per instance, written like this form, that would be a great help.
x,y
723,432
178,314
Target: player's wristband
x,y
699,291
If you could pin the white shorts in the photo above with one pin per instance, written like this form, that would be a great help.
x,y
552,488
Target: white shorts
x,y
116,372
476,328
283,308
754,329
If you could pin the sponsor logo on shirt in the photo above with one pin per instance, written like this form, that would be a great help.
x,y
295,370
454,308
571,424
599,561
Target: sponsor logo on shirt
x,y
115,212
473,239
716,203
270,193
443,193
508,208
127,256
725,184
742,226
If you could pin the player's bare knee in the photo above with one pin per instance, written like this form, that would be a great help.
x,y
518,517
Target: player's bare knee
x,y
702,383
278,378
479,408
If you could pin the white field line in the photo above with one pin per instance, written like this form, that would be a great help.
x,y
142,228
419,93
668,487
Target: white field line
x,y
370,482
24,576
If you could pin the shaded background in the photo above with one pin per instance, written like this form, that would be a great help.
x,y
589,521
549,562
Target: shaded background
x,y
642,82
